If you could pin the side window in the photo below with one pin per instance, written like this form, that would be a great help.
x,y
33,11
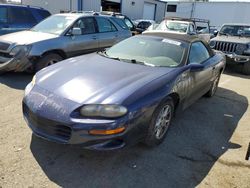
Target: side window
x,y
128,23
140,25
87,25
105,25
120,22
3,15
198,53
20,15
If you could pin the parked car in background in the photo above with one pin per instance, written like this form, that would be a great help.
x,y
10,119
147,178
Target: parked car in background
x,y
143,25
234,41
15,18
192,26
126,94
59,37
213,31
126,19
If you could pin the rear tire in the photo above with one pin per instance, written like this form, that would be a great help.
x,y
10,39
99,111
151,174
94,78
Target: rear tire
x,y
47,60
214,86
246,68
160,123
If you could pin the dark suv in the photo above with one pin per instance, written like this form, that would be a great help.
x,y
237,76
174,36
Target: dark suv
x,y
19,17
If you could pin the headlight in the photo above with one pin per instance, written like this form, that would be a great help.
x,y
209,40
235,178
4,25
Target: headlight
x,y
21,48
240,48
247,51
103,110
212,43
33,80
30,86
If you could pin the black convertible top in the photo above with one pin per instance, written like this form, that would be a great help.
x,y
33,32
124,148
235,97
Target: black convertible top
x,y
182,37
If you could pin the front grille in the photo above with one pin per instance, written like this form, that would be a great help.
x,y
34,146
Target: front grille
x,y
227,47
48,127
4,46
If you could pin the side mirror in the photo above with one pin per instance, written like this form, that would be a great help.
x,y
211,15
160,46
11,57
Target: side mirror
x,y
215,33
76,31
195,67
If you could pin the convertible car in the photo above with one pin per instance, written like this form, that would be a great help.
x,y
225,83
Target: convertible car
x,y
124,95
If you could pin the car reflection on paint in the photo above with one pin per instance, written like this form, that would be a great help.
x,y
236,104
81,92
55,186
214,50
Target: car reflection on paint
x,y
124,95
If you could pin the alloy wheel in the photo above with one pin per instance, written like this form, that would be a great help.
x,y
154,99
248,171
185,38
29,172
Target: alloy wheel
x,y
163,121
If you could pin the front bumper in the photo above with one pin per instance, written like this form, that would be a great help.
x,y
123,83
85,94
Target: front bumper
x,y
18,63
49,117
75,133
237,58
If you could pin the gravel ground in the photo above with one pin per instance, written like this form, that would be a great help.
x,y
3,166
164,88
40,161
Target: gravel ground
x,y
205,147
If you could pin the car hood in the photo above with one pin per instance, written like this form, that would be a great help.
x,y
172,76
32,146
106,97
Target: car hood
x,y
233,39
26,37
96,79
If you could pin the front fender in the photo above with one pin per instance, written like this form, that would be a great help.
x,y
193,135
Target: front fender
x,y
41,47
147,98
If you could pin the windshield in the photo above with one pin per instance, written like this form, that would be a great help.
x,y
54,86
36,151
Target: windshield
x,y
235,30
173,26
150,51
54,24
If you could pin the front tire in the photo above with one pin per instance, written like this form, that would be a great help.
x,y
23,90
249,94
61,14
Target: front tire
x,y
160,123
47,60
246,68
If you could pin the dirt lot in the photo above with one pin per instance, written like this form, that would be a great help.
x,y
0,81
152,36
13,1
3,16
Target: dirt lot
x,y
206,147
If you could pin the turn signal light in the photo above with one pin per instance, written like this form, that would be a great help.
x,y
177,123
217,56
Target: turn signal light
x,y
107,132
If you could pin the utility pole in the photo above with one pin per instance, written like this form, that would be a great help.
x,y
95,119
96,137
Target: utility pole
x,y
192,10
70,5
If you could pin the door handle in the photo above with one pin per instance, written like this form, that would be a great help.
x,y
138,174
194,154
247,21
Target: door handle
x,y
6,26
94,37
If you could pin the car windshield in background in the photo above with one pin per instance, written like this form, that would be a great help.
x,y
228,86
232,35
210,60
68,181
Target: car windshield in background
x,y
150,51
235,30
54,24
173,26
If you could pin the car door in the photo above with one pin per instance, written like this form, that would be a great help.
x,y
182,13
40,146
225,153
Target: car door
x,y
107,32
20,18
201,70
86,41
4,22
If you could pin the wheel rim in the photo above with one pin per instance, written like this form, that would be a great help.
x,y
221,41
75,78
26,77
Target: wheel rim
x,y
215,84
163,121
52,61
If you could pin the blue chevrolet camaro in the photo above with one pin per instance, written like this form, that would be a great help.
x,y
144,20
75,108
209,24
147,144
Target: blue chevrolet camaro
x,y
123,95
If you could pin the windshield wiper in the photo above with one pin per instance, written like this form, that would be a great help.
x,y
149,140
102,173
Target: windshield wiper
x,y
104,54
134,61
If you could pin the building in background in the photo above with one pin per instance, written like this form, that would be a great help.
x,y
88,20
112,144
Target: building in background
x,y
135,9
217,12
